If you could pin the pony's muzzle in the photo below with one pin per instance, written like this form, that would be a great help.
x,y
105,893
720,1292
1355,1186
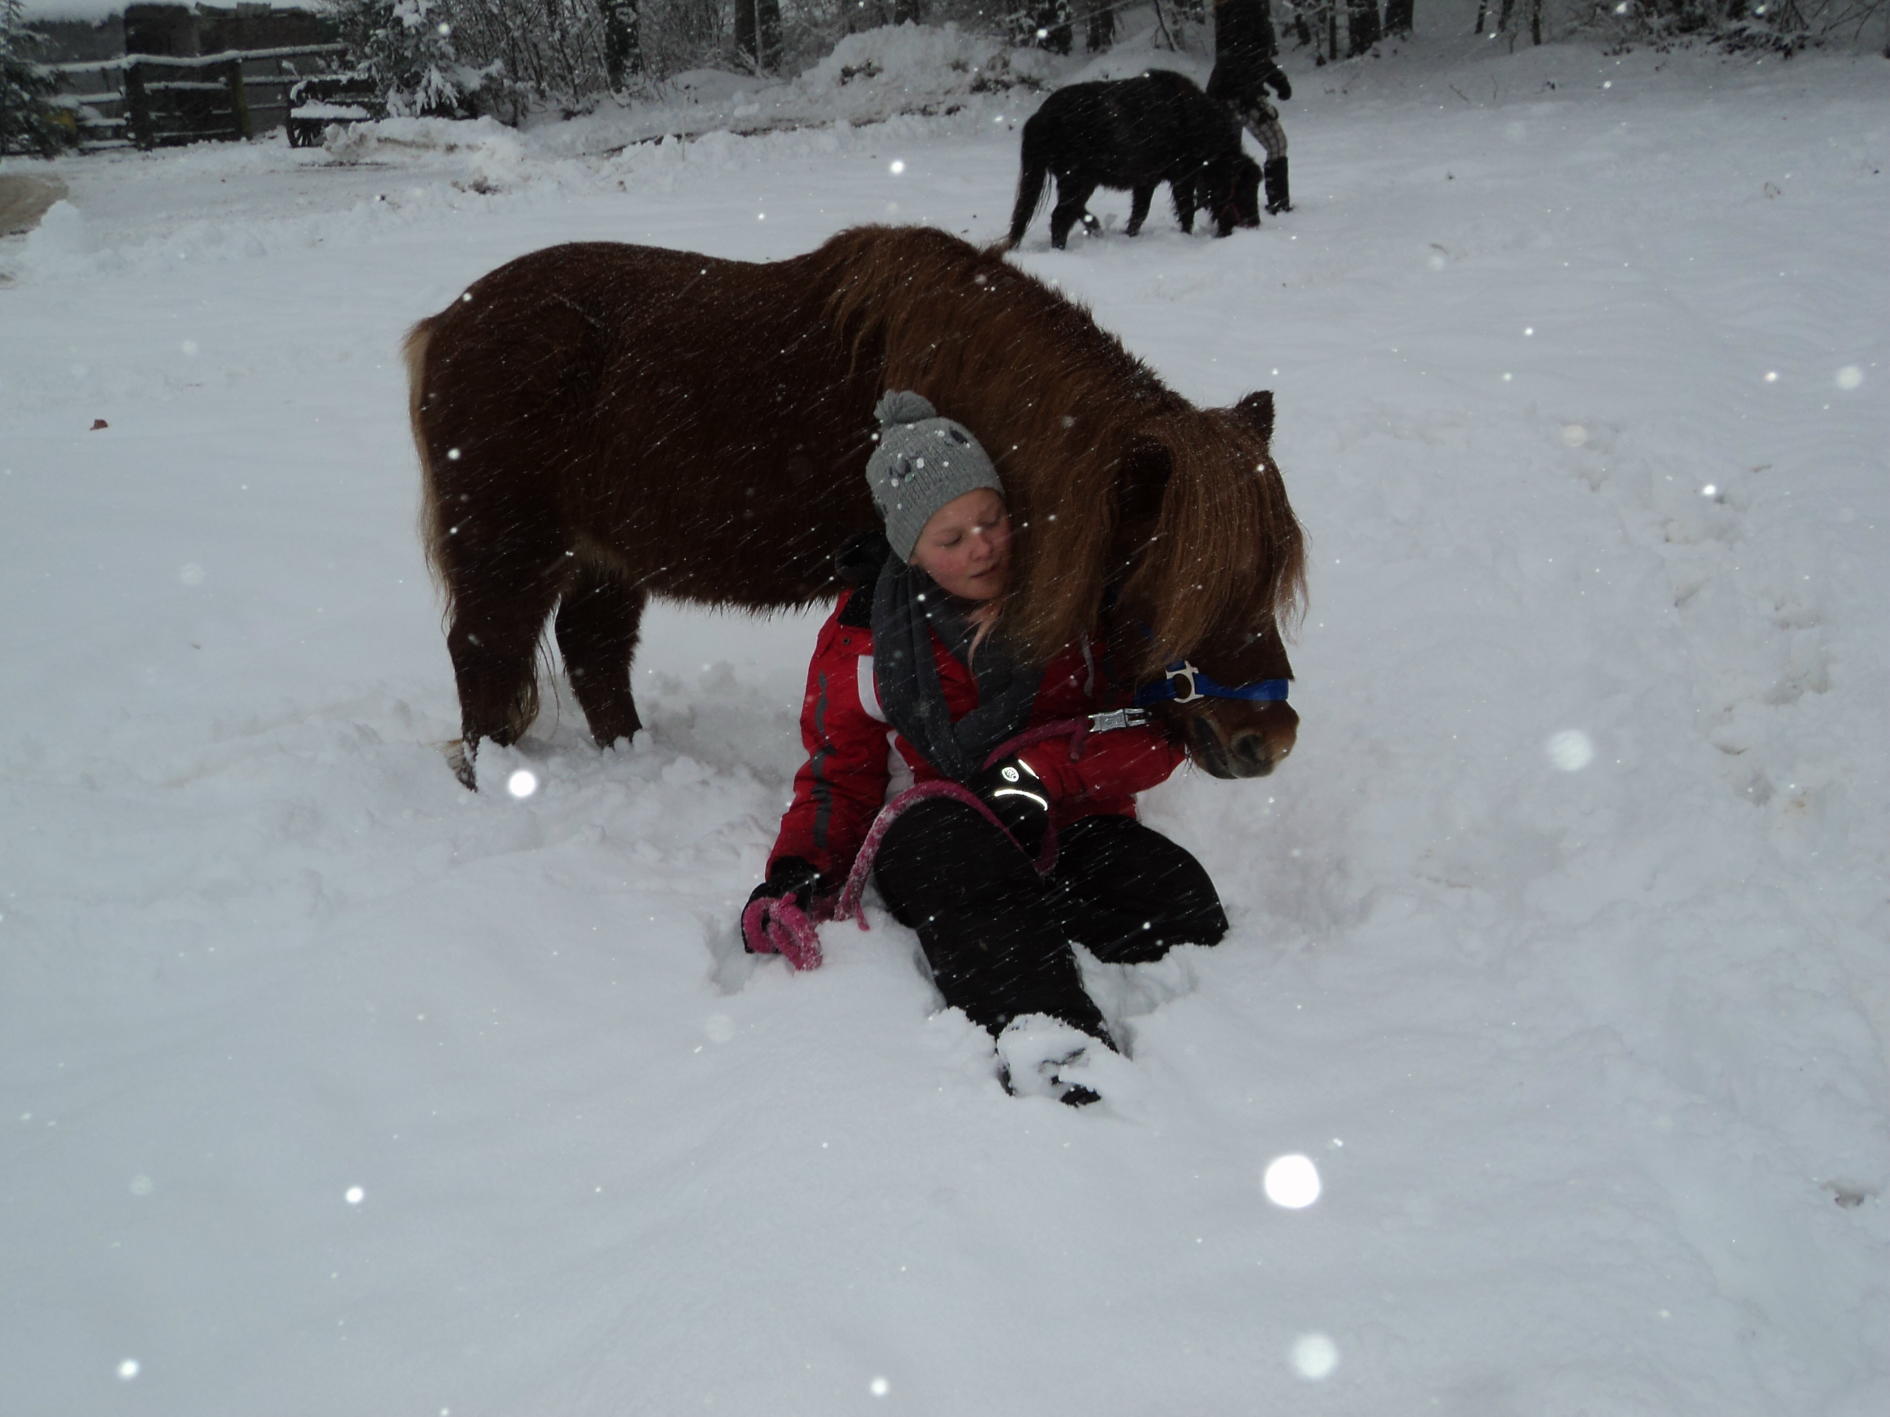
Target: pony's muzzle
x,y
1248,751
1256,755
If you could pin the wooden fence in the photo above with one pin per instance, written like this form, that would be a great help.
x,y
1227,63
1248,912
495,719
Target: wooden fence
x,y
156,100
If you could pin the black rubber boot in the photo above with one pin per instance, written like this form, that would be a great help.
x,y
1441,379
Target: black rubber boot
x,y
1274,174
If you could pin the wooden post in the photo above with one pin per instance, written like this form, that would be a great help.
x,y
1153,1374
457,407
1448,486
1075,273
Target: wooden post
x,y
138,108
239,99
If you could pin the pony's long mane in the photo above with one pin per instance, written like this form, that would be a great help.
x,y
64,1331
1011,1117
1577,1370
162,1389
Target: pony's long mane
x,y
1060,404
1243,535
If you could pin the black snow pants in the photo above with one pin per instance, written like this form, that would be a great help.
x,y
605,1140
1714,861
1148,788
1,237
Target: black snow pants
x,y
997,935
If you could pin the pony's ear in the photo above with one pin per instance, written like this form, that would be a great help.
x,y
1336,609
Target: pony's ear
x,y
1256,411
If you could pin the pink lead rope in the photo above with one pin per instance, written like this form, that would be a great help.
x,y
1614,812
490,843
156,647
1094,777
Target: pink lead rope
x,y
850,905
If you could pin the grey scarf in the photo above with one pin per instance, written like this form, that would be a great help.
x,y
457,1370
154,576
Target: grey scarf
x,y
907,607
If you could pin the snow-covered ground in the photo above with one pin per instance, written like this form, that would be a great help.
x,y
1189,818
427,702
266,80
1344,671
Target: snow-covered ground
x,y
329,1088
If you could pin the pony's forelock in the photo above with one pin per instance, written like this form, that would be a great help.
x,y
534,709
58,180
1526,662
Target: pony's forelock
x,y
1221,549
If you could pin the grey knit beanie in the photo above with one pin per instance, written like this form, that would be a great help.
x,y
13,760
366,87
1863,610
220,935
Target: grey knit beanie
x,y
922,462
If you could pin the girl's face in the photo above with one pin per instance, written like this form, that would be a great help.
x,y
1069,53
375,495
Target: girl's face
x,y
966,546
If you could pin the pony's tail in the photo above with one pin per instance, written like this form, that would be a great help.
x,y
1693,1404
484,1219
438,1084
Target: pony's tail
x,y
414,351
433,540
1030,184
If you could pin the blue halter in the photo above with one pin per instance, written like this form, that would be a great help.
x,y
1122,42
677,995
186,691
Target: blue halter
x,y
1182,683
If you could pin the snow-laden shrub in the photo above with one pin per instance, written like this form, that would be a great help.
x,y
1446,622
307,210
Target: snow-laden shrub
x,y
930,60
408,49
513,58
1773,26
31,119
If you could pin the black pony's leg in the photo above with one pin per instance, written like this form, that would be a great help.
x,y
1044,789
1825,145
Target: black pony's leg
x,y
1073,194
1182,189
597,624
1139,199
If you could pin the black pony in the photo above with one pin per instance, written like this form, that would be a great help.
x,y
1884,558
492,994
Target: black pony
x,y
1135,134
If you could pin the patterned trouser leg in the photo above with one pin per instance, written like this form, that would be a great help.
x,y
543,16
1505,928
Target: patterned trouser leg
x,y
1271,136
1263,121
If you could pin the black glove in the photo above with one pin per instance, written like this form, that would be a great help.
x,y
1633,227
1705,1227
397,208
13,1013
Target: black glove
x,y
793,880
1275,78
1014,792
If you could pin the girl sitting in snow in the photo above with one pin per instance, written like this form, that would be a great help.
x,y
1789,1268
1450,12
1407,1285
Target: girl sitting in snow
x,y
915,652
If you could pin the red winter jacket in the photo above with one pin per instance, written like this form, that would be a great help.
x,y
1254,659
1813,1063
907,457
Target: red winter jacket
x,y
856,761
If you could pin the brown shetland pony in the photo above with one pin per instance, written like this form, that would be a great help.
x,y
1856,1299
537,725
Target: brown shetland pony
x,y
598,423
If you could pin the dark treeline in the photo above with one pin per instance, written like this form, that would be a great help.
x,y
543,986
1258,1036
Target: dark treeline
x,y
511,58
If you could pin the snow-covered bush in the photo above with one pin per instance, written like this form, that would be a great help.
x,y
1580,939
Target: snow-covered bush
x,y
928,60
407,47
1775,26
512,58
30,117
1780,26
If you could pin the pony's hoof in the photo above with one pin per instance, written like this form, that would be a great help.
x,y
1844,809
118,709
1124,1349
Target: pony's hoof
x,y
460,759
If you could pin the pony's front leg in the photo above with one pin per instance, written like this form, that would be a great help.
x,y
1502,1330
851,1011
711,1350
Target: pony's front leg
x,y
1139,199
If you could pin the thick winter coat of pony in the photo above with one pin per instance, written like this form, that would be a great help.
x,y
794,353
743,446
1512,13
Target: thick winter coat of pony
x,y
1134,135
600,423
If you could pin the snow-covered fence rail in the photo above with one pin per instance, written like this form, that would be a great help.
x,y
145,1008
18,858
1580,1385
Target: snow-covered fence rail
x,y
161,100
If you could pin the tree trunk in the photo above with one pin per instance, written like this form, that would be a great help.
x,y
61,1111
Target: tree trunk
x,y
1363,22
768,34
623,41
745,31
1399,16
908,10
1099,30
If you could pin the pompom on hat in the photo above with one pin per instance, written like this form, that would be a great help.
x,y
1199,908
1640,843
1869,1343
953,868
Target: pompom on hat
x,y
922,462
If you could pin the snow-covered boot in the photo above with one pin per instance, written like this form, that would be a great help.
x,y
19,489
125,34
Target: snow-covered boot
x,y
1274,174
1039,1056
